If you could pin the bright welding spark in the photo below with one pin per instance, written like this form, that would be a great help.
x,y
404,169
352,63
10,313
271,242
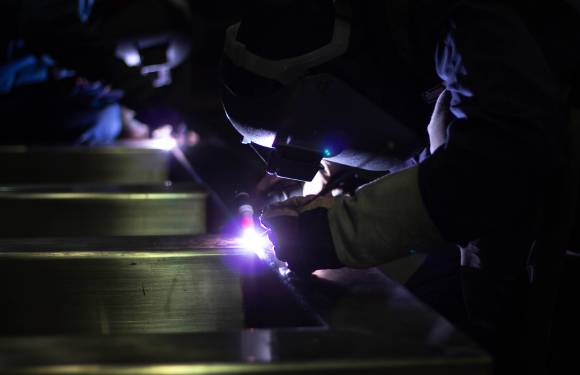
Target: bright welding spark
x,y
257,243
167,144
284,271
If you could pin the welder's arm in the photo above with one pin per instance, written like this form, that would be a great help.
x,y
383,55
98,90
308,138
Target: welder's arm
x,y
383,221
488,172
54,27
387,219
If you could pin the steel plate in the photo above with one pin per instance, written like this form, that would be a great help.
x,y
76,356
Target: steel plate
x,y
119,292
194,289
209,306
83,165
94,211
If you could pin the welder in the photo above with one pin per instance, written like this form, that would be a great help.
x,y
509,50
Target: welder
x,y
349,82
64,78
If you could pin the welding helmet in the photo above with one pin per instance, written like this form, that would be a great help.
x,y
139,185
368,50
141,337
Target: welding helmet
x,y
301,115
156,45
155,55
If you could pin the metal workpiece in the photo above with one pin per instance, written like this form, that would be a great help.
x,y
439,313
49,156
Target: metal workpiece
x,y
119,292
245,352
102,211
61,289
209,306
119,165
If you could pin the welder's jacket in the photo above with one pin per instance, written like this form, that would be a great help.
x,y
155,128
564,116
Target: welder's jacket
x,y
510,79
511,75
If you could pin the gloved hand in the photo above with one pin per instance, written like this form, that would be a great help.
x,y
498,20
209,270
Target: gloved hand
x,y
440,119
272,189
300,233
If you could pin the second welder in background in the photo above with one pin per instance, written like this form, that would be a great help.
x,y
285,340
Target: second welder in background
x,y
61,79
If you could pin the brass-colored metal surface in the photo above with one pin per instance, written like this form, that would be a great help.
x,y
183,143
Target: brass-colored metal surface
x,y
244,352
221,303
120,211
120,244
182,290
80,292
83,165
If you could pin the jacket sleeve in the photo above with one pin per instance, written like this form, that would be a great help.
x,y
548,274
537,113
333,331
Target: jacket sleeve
x,y
383,221
503,140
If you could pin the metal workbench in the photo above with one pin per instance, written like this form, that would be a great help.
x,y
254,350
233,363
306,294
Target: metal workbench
x,y
196,305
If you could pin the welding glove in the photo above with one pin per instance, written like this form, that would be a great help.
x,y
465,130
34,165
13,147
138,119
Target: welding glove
x,y
383,221
300,233
440,119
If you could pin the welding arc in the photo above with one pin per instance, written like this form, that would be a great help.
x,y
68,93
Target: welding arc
x,y
182,159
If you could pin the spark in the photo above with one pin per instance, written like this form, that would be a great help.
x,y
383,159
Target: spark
x,y
166,143
257,243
